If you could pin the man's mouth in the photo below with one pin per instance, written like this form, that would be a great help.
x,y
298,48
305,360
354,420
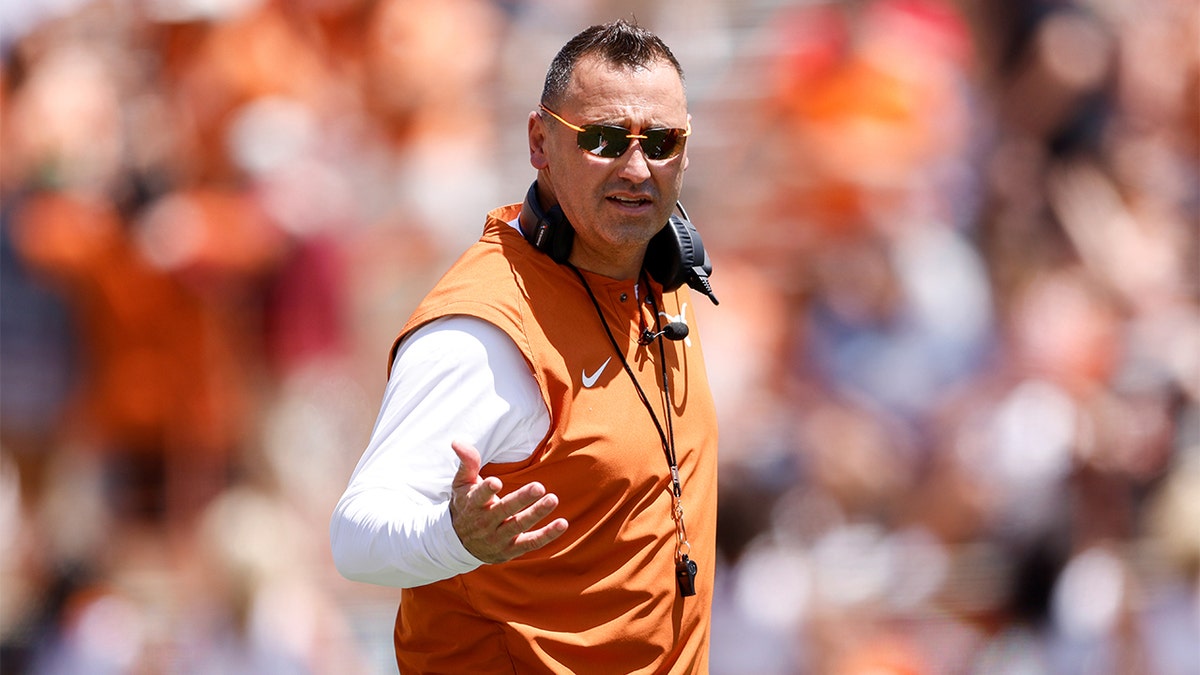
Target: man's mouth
x,y
630,201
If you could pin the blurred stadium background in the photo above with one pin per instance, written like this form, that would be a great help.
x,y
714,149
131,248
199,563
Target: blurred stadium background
x,y
957,358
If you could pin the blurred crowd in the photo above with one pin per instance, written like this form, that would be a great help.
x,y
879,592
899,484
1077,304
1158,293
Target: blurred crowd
x,y
956,361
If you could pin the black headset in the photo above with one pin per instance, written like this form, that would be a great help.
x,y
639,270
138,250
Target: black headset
x,y
674,257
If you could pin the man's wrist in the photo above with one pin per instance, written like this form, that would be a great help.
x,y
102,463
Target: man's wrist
x,y
451,551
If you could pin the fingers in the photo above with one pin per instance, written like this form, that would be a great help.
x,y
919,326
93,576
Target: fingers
x,y
484,492
519,526
492,528
526,515
478,491
521,499
535,539
513,537
468,467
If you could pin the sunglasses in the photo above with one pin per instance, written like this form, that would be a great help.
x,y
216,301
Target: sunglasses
x,y
612,142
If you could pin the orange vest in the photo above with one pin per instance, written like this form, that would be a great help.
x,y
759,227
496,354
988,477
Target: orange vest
x,y
603,597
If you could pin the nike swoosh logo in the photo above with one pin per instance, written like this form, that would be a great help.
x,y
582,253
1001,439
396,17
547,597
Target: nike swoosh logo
x,y
590,380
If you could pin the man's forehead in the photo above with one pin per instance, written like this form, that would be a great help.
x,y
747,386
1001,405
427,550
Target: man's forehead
x,y
595,80
595,65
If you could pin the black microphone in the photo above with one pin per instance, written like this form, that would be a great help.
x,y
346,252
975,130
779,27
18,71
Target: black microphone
x,y
676,330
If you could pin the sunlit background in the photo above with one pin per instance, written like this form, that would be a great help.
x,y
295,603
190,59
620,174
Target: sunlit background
x,y
956,359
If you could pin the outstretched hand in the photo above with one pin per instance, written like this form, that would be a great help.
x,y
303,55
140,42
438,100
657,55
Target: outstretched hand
x,y
493,528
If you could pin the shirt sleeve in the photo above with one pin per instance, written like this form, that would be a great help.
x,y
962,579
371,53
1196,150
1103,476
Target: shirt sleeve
x,y
457,378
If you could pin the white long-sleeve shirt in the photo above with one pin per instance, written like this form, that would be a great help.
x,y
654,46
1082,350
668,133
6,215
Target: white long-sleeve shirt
x,y
456,378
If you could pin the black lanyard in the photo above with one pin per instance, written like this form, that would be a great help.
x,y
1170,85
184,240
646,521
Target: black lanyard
x,y
685,569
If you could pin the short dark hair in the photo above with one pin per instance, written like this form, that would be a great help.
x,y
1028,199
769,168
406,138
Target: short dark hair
x,y
619,43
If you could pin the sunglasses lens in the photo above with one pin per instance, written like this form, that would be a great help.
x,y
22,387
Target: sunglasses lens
x,y
601,141
661,143
612,142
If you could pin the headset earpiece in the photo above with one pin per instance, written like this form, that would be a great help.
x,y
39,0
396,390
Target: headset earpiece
x,y
548,231
676,256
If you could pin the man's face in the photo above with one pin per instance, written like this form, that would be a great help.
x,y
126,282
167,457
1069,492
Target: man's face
x,y
615,205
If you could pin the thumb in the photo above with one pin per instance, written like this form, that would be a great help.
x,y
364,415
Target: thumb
x,y
468,468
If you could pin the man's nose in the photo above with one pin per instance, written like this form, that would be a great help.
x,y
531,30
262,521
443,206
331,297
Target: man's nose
x,y
635,167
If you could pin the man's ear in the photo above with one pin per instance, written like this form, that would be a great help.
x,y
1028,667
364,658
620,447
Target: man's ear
x,y
537,142
685,157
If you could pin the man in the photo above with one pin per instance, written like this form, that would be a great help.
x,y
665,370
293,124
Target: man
x,y
541,480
